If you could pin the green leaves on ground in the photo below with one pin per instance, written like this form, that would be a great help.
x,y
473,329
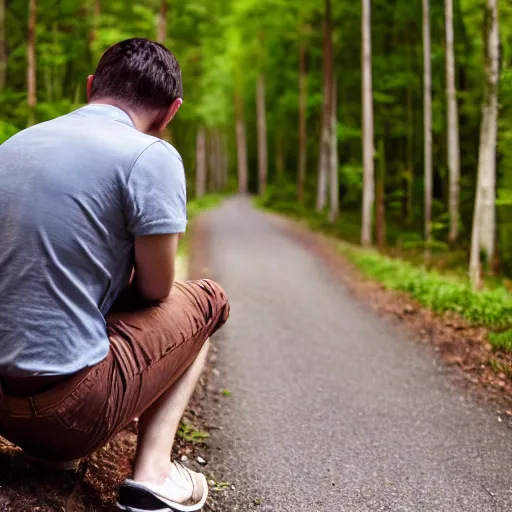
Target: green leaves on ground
x,y
502,340
192,434
441,293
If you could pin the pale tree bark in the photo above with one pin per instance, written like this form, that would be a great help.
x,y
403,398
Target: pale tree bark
x,y
380,207
31,61
262,135
325,138
410,156
211,160
201,162
334,203
484,217
241,146
368,137
218,161
279,154
3,46
453,124
302,160
224,162
427,121
161,31
96,12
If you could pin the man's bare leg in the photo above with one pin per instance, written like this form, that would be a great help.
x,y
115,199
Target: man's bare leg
x,y
159,424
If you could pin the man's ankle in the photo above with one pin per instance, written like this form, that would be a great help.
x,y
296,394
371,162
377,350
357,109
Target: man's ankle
x,y
152,472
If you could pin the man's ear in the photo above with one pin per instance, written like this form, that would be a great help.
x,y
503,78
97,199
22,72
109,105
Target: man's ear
x,y
90,79
169,114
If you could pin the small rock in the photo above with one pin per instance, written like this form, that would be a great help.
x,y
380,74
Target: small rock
x,y
184,458
409,310
216,372
200,460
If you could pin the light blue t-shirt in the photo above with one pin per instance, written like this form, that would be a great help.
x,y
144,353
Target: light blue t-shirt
x,y
74,192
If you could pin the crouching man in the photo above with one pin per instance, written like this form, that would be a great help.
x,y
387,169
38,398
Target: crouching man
x,y
94,331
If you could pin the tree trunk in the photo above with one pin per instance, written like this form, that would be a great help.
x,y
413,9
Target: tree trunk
x,y
302,161
484,217
96,12
380,217
334,205
262,135
325,139
427,119
3,47
453,124
241,146
368,142
224,162
410,157
201,162
31,61
215,162
211,164
161,31
279,155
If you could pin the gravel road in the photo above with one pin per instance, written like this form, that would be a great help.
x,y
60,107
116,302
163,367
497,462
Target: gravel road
x,y
333,408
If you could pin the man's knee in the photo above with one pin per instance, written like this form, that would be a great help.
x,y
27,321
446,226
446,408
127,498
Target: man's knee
x,y
218,299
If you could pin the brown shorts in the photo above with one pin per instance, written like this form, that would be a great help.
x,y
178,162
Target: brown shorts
x,y
151,346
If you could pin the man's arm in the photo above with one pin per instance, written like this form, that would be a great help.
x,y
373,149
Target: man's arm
x,y
155,257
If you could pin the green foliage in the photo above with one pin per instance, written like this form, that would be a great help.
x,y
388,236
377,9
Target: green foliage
x,y
490,308
7,130
502,340
191,434
201,204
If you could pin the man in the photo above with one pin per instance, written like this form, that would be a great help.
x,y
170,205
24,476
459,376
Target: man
x,y
92,208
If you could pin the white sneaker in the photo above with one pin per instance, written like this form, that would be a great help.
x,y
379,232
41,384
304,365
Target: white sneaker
x,y
182,491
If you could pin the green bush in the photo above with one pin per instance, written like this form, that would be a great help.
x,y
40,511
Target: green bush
x,y
7,130
198,205
490,308
502,340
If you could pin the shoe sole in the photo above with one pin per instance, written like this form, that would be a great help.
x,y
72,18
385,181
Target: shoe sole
x,y
70,465
167,506
131,509
166,509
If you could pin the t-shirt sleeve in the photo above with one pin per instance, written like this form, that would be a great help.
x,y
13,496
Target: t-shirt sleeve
x,y
156,195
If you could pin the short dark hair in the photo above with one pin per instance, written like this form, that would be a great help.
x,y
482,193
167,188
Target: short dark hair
x,y
139,72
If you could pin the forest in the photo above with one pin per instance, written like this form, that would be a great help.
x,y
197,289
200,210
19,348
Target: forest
x,y
385,122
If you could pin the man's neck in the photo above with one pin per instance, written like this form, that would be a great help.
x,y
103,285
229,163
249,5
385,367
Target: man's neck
x,y
140,120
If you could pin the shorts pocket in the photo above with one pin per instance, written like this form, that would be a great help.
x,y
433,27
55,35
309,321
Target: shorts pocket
x,y
84,408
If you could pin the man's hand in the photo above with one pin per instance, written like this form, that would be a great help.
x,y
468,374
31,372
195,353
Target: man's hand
x,y
155,257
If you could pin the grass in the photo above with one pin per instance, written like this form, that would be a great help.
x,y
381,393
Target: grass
x,y
491,308
191,434
502,340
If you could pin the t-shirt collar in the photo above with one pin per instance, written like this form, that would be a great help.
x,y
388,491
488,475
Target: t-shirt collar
x,y
108,112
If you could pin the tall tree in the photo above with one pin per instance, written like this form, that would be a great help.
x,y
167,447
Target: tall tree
x,y
303,142
262,135
484,217
325,137
380,207
95,15
31,61
241,145
3,46
334,203
453,124
161,35
427,120
201,162
368,137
